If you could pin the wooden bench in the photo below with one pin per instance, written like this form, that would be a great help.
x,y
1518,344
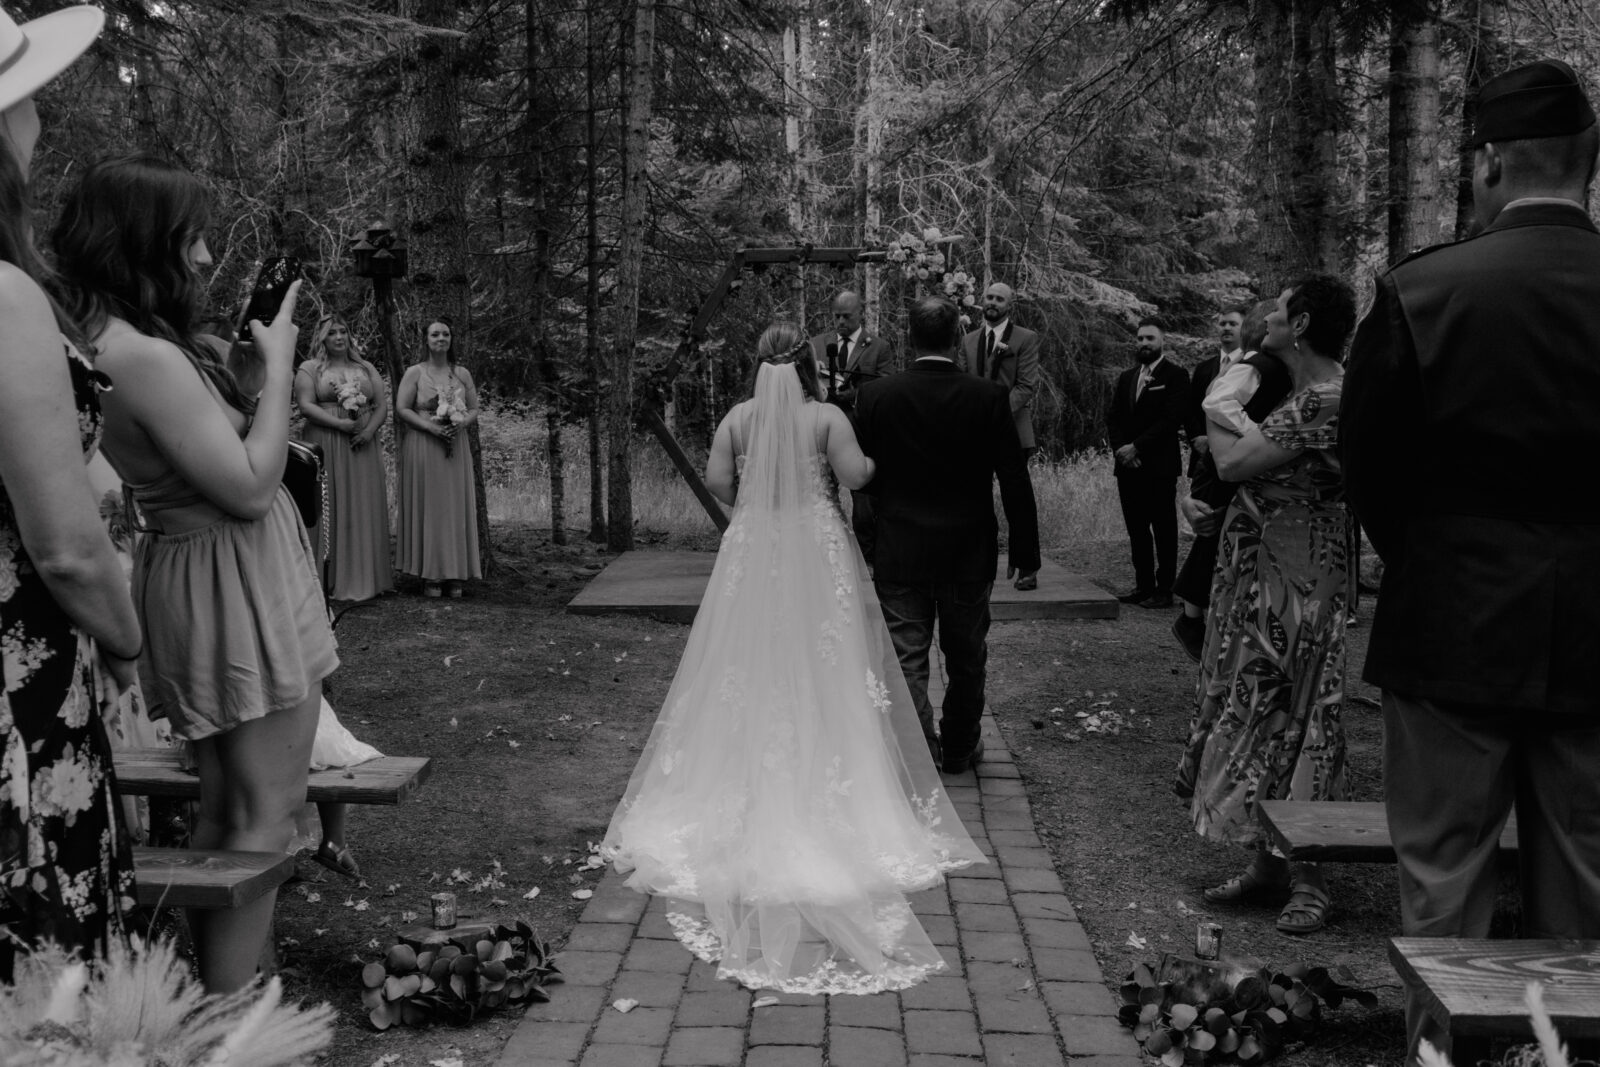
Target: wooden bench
x,y
184,878
1340,831
1475,988
156,772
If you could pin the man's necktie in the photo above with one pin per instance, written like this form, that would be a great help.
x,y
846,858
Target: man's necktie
x,y
985,353
844,352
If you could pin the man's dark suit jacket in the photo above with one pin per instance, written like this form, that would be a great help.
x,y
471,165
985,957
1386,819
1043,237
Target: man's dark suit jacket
x,y
1194,419
940,438
1471,412
1153,423
870,357
1204,484
1016,367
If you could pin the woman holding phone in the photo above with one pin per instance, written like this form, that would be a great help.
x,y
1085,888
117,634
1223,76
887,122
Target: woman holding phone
x,y
237,640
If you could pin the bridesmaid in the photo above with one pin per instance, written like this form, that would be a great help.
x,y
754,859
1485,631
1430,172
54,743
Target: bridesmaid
x,y
438,507
344,403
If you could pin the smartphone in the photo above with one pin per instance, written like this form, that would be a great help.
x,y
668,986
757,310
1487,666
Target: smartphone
x,y
272,285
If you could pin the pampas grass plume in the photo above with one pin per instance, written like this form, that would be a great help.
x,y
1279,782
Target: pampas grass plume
x,y
1555,1053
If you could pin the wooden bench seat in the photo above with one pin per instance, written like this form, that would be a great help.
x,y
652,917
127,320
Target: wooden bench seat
x,y
185,878
1340,831
156,772
1475,988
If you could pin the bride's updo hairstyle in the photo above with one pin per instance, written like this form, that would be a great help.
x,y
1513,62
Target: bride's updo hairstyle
x,y
784,342
122,246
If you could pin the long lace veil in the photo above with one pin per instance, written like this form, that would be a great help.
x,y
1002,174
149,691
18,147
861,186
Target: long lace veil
x,y
786,798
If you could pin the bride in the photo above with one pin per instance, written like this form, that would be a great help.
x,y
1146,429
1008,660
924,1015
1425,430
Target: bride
x,y
785,802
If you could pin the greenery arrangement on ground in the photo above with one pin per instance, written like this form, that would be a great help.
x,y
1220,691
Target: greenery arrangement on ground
x,y
459,980
1199,1013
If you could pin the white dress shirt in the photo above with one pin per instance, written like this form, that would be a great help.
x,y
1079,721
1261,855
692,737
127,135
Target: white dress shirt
x,y
1229,392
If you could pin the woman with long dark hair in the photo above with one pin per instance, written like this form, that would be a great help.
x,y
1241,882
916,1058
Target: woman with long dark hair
x,y
436,401
345,404
66,870
237,639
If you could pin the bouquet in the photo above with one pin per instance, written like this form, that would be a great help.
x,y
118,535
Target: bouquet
x,y
353,402
450,411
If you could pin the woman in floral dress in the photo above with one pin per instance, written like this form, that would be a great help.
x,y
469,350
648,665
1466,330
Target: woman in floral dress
x,y
66,870
1267,725
344,403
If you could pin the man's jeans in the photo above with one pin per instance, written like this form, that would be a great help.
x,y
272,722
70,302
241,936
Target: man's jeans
x,y
962,611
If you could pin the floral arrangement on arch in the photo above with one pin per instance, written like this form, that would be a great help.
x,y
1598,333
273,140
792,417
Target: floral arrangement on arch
x,y
919,258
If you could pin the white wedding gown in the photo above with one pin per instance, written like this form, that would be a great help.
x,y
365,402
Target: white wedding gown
x,y
785,800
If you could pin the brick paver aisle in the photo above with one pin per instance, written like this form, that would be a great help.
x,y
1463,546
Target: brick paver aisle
x,y
1023,987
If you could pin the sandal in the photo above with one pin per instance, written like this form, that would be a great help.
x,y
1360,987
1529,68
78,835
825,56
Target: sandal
x,y
1251,885
338,859
1307,910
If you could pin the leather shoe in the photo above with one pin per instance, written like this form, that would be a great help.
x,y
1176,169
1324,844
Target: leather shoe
x,y
1137,596
960,766
1157,600
1028,581
1191,634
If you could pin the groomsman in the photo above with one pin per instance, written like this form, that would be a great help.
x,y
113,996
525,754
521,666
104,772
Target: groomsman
x,y
1230,323
846,357
1145,427
1001,351
1473,383
941,440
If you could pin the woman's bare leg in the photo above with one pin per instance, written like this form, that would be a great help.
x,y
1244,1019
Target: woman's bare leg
x,y
252,781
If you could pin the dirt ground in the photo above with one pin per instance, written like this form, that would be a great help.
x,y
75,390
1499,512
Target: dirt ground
x,y
534,719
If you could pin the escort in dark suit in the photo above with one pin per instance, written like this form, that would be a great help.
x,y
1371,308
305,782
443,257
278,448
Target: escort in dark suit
x,y
940,438
1004,352
1471,409
1145,427
1263,383
1229,323
847,356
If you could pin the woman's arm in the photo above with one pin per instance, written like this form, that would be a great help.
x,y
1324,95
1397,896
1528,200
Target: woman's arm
x,y
470,394
720,466
305,395
380,405
851,466
1239,459
43,469
160,393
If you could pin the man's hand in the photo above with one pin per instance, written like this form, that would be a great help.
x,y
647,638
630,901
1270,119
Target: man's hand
x,y
1025,580
1201,445
1128,455
1200,516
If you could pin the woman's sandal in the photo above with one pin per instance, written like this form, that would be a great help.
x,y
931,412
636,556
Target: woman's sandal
x,y
1251,885
338,859
1307,910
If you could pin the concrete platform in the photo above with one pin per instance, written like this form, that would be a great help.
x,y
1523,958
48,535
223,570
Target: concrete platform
x,y
669,585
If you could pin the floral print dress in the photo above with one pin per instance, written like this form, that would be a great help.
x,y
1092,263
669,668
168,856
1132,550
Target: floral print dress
x,y
1267,723
66,868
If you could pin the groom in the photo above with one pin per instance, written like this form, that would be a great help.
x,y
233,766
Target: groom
x,y
940,438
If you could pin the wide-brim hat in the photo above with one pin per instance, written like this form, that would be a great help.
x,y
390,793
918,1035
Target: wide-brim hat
x,y
34,52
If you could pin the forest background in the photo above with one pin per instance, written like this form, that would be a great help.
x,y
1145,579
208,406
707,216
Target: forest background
x,y
571,177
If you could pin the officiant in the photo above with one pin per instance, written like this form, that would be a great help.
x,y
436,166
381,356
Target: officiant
x,y
847,356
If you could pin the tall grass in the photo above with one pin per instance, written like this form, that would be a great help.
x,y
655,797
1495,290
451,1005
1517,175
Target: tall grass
x,y
1076,496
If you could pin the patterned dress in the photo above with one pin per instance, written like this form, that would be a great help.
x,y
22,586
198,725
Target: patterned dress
x,y
66,869
1267,725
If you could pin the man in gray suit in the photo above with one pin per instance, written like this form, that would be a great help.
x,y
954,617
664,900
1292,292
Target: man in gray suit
x,y
847,357
1471,406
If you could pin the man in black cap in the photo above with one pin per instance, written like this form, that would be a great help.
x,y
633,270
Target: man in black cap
x,y
1471,403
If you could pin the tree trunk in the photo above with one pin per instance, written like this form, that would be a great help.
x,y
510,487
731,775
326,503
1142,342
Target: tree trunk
x,y
1483,55
637,86
591,330
1413,128
438,199
872,118
539,328
1295,149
